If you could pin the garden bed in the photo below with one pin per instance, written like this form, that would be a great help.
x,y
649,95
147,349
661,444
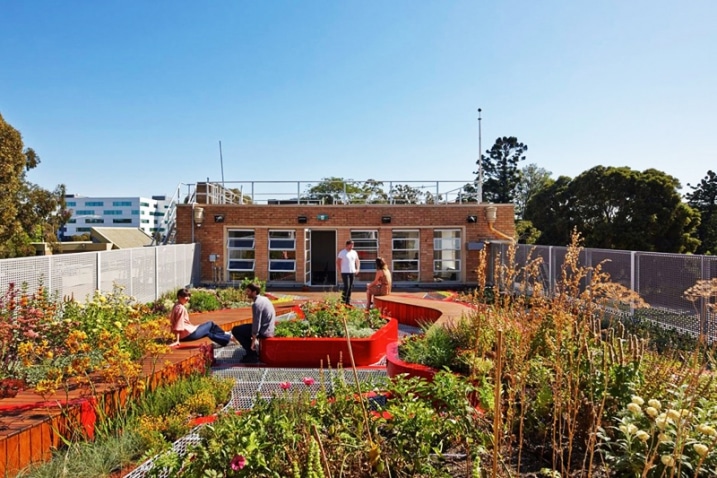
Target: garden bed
x,y
395,366
315,352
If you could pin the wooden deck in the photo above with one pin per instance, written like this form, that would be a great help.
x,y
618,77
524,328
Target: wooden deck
x,y
31,426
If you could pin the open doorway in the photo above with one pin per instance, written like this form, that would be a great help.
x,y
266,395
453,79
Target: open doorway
x,y
323,258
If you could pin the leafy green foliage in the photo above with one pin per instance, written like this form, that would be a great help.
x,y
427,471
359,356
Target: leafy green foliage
x,y
204,301
501,175
326,319
703,198
615,208
27,212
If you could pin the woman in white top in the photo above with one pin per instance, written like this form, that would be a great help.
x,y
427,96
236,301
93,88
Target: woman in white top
x,y
381,284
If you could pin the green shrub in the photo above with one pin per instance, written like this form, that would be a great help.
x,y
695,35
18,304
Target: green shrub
x,y
204,301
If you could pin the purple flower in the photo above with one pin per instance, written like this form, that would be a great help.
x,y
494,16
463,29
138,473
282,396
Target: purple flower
x,y
238,462
285,385
308,381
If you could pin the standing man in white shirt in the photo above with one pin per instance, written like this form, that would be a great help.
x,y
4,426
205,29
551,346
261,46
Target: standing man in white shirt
x,y
349,265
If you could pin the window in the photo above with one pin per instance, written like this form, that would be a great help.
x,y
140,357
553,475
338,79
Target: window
x,y
366,246
113,212
145,204
85,212
71,203
94,203
406,251
121,203
94,221
122,221
144,221
240,254
84,229
72,221
446,254
282,256
135,212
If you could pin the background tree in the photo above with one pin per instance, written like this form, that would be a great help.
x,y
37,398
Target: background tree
x,y
334,190
500,169
532,180
703,198
27,212
616,208
404,194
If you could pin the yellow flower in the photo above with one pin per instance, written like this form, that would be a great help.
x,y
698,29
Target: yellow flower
x,y
642,435
634,408
663,438
701,449
673,414
651,411
654,403
667,460
661,421
637,400
707,430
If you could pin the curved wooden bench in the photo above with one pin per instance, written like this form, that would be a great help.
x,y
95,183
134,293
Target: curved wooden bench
x,y
413,311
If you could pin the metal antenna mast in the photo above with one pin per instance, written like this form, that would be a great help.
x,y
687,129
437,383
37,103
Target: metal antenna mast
x,y
221,161
480,161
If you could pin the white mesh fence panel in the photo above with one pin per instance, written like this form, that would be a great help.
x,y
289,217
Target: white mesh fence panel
x,y
29,271
75,275
145,273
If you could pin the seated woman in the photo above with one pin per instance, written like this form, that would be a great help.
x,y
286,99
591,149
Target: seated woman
x,y
185,331
381,284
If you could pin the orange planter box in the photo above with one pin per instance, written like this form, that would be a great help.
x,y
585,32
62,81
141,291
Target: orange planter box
x,y
315,352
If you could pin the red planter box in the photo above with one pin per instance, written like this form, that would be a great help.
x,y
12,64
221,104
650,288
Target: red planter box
x,y
313,352
395,366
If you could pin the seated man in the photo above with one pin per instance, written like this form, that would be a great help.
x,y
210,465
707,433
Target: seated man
x,y
262,324
185,331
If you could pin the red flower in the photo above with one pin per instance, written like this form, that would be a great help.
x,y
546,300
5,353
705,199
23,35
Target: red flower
x,y
238,462
285,385
308,381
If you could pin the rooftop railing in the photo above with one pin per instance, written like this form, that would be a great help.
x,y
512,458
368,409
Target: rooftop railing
x,y
330,191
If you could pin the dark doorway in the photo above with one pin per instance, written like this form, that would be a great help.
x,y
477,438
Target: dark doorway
x,y
323,258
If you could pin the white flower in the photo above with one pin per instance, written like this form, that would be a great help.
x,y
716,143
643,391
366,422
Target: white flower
x,y
663,438
701,449
638,400
654,403
651,411
667,460
707,430
642,435
634,408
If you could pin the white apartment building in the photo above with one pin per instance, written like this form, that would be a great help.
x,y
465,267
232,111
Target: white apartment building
x,y
143,213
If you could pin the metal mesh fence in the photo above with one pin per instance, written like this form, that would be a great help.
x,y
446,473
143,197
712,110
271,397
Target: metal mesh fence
x,y
144,273
660,279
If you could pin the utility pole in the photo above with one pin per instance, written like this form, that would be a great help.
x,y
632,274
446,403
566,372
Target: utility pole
x,y
480,161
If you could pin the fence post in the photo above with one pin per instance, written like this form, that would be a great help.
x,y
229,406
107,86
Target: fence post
x,y
633,276
98,265
156,273
704,322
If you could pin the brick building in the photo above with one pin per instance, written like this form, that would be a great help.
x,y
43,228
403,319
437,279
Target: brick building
x,y
295,245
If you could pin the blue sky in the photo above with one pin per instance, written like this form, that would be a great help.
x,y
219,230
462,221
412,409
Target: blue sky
x,y
131,98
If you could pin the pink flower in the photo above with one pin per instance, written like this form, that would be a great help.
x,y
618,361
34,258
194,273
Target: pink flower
x,y
308,381
285,385
238,462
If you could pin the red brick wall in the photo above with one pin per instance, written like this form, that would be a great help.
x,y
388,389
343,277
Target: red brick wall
x,y
342,218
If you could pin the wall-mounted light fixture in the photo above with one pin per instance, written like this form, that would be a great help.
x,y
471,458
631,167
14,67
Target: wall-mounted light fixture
x,y
302,219
385,219
472,219
198,216
219,218
491,214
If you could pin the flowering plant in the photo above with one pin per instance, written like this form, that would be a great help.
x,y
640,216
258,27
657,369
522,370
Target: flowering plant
x,y
326,319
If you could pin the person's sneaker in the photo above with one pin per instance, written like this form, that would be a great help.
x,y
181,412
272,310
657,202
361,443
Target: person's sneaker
x,y
250,359
217,346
